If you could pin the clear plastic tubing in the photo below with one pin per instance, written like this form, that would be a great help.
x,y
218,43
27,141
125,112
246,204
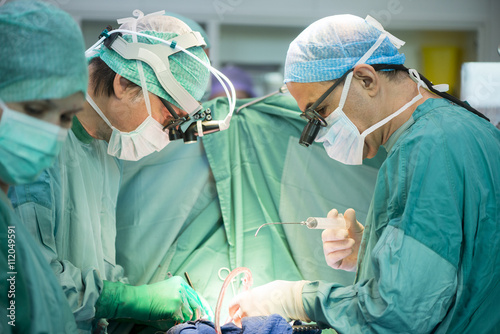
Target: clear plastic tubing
x,y
247,283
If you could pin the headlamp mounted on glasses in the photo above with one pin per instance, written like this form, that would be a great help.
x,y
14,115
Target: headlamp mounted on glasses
x,y
156,56
316,121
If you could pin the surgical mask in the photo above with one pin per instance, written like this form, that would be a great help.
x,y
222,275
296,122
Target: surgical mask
x,y
27,146
341,138
203,122
147,138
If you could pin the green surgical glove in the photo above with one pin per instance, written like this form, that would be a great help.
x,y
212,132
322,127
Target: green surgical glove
x,y
161,304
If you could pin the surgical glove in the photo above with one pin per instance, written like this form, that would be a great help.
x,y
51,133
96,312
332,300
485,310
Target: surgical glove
x,y
208,313
341,246
280,297
161,304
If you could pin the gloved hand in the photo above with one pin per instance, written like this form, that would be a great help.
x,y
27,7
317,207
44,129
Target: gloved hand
x,y
341,246
207,312
280,297
161,304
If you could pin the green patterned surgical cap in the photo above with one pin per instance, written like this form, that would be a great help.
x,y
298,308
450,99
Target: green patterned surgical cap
x,y
42,53
192,75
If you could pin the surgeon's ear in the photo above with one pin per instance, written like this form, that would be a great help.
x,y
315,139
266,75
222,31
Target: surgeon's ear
x,y
368,78
120,85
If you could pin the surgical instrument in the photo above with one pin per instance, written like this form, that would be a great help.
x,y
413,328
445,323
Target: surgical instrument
x,y
317,223
222,279
283,90
188,279
247,283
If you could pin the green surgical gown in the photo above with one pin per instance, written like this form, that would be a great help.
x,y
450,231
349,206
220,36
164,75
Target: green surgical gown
x,y
39,303
70,211
429,260
196,207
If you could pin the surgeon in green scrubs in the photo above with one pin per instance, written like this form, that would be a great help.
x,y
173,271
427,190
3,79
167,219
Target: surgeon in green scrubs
x,y
71,207
428,257
43,83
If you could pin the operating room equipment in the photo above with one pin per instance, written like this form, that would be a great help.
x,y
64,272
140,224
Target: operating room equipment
x,y
224,278
475,75
316,223
188,280
315,121
299,327
208,125
247,283
190,283
283,90
341,138
149,53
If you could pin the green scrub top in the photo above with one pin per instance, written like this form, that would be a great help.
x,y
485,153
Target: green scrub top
x,y
196,207
263,175
70,212
429,258
39,303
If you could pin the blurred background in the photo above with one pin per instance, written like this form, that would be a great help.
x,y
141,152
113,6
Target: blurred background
x,y
254,34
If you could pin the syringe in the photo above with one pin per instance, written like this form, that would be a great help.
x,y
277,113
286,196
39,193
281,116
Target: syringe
x,y
317,223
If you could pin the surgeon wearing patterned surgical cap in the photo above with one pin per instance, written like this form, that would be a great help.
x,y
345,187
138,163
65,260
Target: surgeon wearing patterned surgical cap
x,y
71,207
426,258
43,80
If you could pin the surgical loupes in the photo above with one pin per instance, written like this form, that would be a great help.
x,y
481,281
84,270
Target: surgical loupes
x,y
316,223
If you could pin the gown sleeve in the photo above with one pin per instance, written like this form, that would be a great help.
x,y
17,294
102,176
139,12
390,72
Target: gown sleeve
x,y
407,279
35,204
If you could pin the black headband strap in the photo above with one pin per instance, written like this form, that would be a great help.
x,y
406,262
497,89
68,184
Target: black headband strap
x,y
449,97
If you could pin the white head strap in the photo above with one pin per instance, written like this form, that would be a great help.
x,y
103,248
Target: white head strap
x,y
376,24
156,56
139,15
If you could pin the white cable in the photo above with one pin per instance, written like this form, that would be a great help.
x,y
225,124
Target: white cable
x,y
89,50
217,73
144,86
224,124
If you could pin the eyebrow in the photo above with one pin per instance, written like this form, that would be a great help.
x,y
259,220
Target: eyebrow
x,y
50,103
53,105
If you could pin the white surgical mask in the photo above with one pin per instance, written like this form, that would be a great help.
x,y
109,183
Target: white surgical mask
x,y
28,145
147,138
341,138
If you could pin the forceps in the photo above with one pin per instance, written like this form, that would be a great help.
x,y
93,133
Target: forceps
x,y
221,270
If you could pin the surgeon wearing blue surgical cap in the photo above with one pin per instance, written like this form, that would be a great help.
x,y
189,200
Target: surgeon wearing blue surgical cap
x,y
426,258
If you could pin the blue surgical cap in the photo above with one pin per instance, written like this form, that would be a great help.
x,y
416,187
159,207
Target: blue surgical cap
x,y
42,53
331,46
